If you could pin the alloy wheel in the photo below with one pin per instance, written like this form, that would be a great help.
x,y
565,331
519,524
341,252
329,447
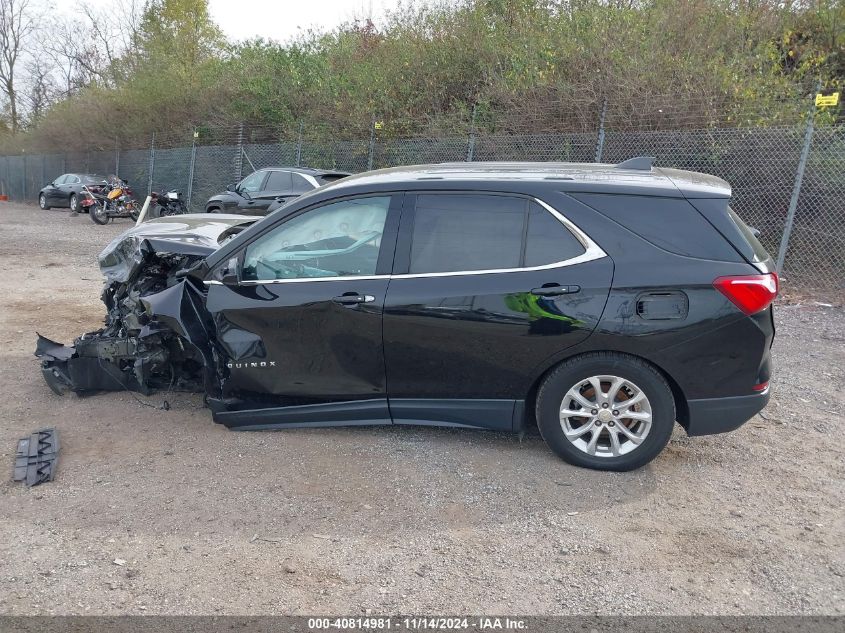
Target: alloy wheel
x,y
606,416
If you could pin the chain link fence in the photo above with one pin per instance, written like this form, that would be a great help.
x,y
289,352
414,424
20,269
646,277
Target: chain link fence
x,y
761,163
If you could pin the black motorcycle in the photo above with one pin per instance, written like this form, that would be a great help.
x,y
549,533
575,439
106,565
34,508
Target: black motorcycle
x,y
169,203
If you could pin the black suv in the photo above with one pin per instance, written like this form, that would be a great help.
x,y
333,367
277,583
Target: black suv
x,y
267,189
606,302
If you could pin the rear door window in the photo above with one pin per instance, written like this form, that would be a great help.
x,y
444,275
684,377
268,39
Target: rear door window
x,y
548,241
278,181
301,184
473,232
454,233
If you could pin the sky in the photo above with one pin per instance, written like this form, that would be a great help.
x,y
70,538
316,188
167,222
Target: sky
x,y
278,20
282,19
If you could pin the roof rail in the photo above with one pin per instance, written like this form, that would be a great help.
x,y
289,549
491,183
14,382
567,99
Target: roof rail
x,y
640,163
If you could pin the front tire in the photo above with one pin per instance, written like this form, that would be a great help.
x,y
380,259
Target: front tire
x,y
74,203
606,411
42,202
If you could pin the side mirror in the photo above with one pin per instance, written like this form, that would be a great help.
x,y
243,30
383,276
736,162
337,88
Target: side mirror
x,y
232,188
227,273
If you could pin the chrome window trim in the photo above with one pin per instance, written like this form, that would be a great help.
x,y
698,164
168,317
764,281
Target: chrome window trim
x,y
592,251
299,280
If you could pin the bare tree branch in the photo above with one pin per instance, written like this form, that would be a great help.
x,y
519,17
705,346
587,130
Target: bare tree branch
x,y
17,23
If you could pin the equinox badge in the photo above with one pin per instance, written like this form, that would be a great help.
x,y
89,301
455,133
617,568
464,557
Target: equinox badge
x,y
257,364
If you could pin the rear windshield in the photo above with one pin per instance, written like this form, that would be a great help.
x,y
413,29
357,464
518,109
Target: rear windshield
x,y
760,253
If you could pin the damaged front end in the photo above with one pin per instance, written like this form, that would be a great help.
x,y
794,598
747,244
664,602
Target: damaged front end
x,y
156,334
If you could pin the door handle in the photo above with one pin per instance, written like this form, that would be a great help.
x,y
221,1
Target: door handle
x,y
353,298
555,290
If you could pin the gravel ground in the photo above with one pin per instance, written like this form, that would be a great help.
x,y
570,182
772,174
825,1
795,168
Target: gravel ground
x,y
165,512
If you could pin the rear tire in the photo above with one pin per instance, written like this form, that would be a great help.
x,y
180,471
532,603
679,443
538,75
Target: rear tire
x,y
98,214
73,202
582,415
42,202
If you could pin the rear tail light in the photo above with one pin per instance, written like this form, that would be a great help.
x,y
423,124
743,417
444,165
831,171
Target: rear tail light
x,y
749,293
761,386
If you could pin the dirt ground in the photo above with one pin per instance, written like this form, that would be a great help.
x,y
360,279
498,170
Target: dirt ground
x,y
165,512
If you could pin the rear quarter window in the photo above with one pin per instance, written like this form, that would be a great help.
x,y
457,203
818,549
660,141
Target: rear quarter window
x,y
760,253
671,224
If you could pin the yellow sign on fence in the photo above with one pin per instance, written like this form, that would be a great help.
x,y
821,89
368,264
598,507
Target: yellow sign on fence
x,y
825,101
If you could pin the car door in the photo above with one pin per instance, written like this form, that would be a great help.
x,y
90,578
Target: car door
x,y
300,331
486,288
52,192
277,186
250,187
72,184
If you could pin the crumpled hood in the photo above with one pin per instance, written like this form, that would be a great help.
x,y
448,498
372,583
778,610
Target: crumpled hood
x,y
197,234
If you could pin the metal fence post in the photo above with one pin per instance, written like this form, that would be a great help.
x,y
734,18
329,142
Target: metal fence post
x,y
799,178
239,159
600,139
117,161
191,170
372,152
23,177
299,147
471,142
152,163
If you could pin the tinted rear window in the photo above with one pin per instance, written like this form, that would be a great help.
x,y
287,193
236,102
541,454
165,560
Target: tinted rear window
x,y
467,232
672,224
548,241
278,181
301,184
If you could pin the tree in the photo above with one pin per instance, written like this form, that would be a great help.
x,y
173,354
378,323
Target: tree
x,y
40,89
17,23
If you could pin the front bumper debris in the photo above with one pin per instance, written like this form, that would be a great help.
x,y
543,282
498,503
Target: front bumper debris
x,y
37,456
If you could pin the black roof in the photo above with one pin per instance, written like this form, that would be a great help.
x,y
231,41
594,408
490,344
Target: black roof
x,y
634,176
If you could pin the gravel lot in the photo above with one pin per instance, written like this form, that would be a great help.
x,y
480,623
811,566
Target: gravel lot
x,y
165,512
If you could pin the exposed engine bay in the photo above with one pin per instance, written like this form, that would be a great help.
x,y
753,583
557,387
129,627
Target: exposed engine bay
x,y
156,331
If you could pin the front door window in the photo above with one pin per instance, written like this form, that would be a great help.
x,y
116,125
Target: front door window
x,y
341,239
252,183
